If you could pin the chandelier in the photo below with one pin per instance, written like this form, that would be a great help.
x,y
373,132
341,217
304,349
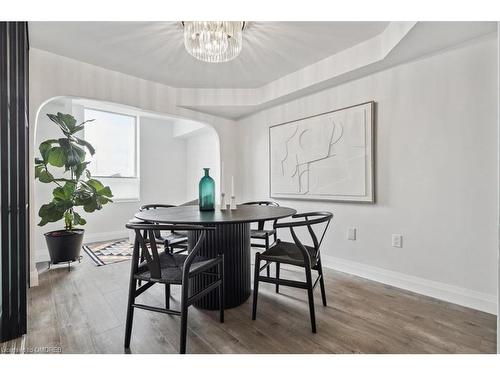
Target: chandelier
x,y
213,41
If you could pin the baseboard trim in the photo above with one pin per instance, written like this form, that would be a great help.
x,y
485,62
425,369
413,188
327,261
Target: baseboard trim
x,y
42,255
33,278
446,292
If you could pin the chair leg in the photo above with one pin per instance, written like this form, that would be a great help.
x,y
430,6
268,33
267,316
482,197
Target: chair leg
x,y
255,285
130,312
167,296
139,282
221,290
277,277
321,282
310,295
268,269
141,258
184,313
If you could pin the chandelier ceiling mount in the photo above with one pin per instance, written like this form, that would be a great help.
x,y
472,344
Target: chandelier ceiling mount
x,y
213,41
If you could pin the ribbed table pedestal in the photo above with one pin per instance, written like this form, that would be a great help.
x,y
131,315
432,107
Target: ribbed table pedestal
x,y
233,239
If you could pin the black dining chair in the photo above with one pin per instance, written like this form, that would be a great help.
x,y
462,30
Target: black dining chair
x,y
194,202
296,254
175,240
262,234
170,269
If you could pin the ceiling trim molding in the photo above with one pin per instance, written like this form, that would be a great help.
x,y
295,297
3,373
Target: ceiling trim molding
x,y
399,43
333,67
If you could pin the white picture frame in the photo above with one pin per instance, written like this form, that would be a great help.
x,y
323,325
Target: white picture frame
x,y
328,156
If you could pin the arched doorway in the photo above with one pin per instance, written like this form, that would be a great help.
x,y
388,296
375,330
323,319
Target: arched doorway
x,y
170,154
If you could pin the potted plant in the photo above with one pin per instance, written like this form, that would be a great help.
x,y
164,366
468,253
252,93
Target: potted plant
x,y
76,188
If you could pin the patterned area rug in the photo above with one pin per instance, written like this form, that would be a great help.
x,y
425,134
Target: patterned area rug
x,y
109,252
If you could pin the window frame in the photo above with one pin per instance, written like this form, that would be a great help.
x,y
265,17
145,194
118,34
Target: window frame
x,y
136,143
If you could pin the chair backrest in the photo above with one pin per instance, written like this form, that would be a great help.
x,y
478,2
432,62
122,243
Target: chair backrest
x,y
261,203
194,202
309,220
154,206
260,224
150,254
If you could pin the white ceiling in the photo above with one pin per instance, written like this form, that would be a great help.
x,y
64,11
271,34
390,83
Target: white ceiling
x,y
409,41
155,50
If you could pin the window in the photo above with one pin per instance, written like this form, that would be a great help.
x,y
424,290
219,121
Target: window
x,y
115,162
113,136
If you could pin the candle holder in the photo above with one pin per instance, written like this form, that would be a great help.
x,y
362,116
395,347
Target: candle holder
x,y
233,203
223,205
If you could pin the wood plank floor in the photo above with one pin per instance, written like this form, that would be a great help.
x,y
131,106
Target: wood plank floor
x,y
83,311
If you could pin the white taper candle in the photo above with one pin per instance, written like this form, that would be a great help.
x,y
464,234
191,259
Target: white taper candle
x,y
222,178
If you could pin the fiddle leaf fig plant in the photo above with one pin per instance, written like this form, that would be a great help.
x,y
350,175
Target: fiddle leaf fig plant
x,y
76,188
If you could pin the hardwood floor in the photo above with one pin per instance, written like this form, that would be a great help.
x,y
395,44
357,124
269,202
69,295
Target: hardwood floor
x,y
83,311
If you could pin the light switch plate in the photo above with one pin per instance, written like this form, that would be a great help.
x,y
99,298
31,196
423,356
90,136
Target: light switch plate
x,y
351,234
397,240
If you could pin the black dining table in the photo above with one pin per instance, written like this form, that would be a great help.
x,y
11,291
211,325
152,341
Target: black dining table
x,y
231,237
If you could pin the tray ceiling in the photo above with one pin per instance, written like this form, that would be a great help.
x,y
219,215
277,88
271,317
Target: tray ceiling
x,y
155,50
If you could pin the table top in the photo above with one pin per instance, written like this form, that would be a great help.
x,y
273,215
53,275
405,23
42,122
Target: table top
x,y
193,215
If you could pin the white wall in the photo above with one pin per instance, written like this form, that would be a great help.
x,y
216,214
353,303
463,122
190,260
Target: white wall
x,y
436,175
53,76
163,163
164,160
202,153
436,162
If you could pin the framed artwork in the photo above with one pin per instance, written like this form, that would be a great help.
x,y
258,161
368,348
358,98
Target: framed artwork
x,y
329,156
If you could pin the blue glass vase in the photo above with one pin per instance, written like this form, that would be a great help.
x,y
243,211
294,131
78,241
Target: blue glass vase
x,y
207,192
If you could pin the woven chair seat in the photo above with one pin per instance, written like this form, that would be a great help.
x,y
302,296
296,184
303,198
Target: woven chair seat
x,y
171,266
289,253
261,233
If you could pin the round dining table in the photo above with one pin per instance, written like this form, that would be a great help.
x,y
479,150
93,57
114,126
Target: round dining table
x,y
231,237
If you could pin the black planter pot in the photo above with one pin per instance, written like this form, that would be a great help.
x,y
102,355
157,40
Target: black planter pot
x,y
64,245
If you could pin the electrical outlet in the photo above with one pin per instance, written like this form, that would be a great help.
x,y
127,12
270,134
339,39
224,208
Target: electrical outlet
x,y
351,234
397,240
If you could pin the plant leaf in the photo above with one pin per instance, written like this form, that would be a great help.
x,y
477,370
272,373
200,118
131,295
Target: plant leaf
x,y
78,220
81,126
45,176
106,191
74,154
91,206
38,169
103,200
80,168
68,120
57,157
97,185
45,148
86,144
69,188
68,219
50,213
58,193
57,120
64,194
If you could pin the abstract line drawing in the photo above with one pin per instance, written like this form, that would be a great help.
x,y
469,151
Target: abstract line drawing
x,y
286,148
328,156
